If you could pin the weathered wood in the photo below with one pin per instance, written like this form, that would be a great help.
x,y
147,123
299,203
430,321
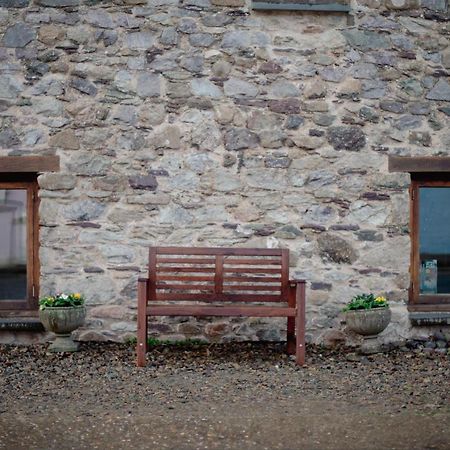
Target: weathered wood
x,y
206,310
242,280
29,164
419,164
142,330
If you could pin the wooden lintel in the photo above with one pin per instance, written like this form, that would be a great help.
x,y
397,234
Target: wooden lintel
x,y
413,164
291,6
29,164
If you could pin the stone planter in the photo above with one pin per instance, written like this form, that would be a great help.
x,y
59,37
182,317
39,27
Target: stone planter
x,y
62,321
368,323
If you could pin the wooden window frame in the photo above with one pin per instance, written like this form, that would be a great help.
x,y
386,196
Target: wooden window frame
x,y
417,301
29,182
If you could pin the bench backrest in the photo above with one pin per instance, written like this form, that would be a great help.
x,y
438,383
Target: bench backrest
x,y
218,274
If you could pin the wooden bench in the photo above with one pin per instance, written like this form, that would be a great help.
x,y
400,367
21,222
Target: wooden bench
x,y
221,282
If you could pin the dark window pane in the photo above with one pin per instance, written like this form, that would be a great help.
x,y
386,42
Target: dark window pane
x,y
13,244
434,240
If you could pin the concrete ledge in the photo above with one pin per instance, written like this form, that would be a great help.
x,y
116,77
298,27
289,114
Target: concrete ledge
x,y
429,318
21,325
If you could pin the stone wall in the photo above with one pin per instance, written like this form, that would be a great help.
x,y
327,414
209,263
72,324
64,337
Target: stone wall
x,y
200,122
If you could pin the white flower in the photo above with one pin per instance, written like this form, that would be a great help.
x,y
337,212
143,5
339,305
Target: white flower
x,y
64,296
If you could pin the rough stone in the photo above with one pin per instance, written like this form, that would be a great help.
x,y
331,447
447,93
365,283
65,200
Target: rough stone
x,y
66,139
51,34
235,87
205,88
99,18
141,40
365,40
346,138
84,86
147,182
57,181
336,249
440,91
84,210
240,139
148,85
58,3
18,35
10,86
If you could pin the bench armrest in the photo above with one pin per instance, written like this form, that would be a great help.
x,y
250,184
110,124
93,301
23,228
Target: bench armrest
x,y
143,280
295,282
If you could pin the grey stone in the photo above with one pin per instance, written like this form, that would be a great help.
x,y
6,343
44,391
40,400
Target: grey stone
x,y
277,162
141,40
420,108
201,39
10,86
57,181
147,182
346,138
187,25
193,64
336,249
18,35
283,89
84,86
365,40
168,137
288,232
124,82
369,235
408,122
89,165
285,106
244,39
420,138
109,37
294,121
369,114
8,138
58,3
334,75
216,20
373,89
148,85
14,3
440,91
240,139
412,87
169,36
392,106
84,210
323,120
205,88
364,70
235,87
48,106
125,113
435,5
99,18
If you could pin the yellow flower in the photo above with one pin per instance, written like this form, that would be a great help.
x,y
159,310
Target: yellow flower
x,y
77,296
380,299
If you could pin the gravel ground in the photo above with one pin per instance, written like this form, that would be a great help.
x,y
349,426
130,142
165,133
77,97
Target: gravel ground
x,y
229,396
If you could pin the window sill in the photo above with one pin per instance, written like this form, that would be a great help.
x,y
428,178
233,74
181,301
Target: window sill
x,y
300,6
427,318
20,324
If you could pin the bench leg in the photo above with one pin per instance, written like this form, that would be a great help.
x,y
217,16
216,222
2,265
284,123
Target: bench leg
x,y
141,348
300,324
291,335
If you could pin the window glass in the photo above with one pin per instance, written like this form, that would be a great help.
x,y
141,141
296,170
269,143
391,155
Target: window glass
x,y
13,244
434,240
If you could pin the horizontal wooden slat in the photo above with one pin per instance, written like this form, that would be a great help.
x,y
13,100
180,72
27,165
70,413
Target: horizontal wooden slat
x,y
243,279
184,278
192,287
217,251
186,269
185,261
160,296
240,287
253,262
202,310
250,270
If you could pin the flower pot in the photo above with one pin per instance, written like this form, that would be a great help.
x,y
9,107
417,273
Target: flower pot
x,y
62,321
368,322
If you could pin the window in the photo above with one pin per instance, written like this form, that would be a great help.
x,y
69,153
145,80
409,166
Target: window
x,y
430,231
19,268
